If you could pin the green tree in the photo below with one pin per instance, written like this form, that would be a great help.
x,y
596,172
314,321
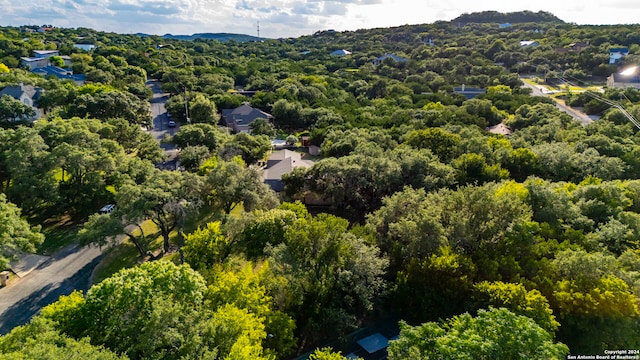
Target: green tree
x,y
251,148
326,354
231,184
167,198
40,340
104,229
332,276
203,110
15,233
492,334
191,157
12,110
207,247
201,135
440,142
262,126
517,299
157,311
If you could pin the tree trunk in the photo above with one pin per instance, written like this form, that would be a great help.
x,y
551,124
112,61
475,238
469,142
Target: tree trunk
x,y
137,244
165,237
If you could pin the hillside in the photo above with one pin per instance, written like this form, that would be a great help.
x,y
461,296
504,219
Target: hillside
x,y
222,37
413,209
512,17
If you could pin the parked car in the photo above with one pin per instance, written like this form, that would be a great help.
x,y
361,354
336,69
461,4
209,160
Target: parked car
x,y
172,123
107,209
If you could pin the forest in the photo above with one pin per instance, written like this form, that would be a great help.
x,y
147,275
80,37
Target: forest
x,y
470,244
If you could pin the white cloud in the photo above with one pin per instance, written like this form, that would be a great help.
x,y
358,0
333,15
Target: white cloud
x,y
287,18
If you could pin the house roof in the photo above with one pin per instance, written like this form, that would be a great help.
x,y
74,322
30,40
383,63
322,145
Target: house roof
x,y
501,129
469,92
33,59
59,72
626,78
243,115
16,91
622,50
392,56
45,52
341,52
525,43
280,163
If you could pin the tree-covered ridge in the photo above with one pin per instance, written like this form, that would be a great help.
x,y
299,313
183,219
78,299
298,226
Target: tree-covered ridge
x,y
511,17
430,216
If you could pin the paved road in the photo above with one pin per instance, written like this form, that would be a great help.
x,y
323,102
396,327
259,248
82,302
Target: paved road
x,y
578,115
69,269
161,120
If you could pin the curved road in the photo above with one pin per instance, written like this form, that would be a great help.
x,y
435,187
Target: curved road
x,y
71,267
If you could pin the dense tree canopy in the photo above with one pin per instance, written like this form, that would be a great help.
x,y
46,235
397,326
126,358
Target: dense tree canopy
x,y
440,215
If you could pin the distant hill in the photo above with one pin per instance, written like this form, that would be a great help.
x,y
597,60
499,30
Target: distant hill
x,y
222,37
512,17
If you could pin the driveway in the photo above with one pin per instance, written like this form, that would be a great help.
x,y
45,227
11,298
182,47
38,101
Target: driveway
x,y
67,270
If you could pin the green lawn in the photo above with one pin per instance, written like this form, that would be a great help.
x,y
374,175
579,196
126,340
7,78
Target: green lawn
x,y
125,254
58,233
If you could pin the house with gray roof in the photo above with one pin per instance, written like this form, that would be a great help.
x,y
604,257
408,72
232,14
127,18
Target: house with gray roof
x,y
394,57
26,94
341,52
279,163
239,119
60,73
616,54
626,79
39,60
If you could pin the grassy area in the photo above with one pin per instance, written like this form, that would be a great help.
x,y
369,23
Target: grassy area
x,y
58,234
125,254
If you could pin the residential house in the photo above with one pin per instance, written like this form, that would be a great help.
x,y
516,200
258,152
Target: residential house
x,y
27,94
34,62
625,79
40,59
60,73
341,52
616,55
469,92
504,25
396,58
528,43
85,47
576,47
500,129
239,119
279,163
45,53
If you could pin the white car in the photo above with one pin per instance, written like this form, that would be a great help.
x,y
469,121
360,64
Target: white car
x,y
107,209
171,123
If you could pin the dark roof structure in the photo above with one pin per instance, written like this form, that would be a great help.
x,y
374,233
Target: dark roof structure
x,y
16,91
60,73
280,163
239,118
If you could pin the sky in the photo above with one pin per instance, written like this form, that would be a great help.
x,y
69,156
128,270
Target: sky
x,y
287,18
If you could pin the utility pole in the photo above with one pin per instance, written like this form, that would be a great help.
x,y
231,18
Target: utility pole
x,y
186,105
